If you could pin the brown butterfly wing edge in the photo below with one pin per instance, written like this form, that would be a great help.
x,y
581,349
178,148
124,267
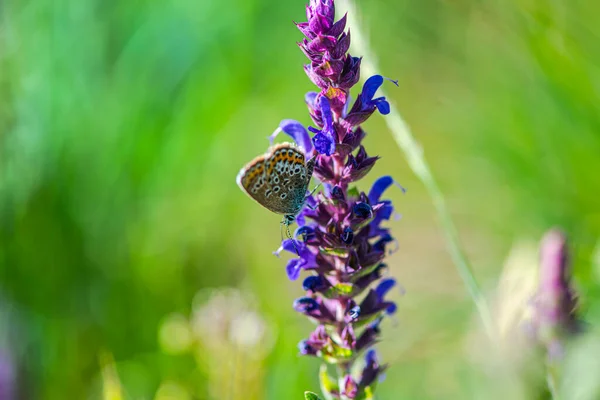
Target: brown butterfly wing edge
x,y
261,159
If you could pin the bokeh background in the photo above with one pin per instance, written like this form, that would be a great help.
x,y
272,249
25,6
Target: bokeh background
x,y
130,261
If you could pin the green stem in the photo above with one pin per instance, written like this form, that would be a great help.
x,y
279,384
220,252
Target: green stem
x,y
552,380
416,161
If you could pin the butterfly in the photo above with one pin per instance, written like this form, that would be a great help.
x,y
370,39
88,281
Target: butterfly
x,y
278,180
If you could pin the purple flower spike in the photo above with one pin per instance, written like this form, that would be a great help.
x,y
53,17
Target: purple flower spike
x,y
554,315
340,237
8,378
297,132
324,139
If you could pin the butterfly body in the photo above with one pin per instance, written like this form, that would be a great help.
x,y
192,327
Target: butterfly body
x,y
278,180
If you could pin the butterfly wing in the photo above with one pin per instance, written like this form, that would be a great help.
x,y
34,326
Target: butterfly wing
x,y
252,179
278,180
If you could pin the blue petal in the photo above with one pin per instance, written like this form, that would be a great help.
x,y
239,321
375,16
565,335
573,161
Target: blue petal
x,y
379,187
323,144
305,233
371,357
300,220
385,239
326,114
385,212
362,210
305,304
293,269
346,106
384,287
312,282
382,105
296,131
391,308
324,140
370,87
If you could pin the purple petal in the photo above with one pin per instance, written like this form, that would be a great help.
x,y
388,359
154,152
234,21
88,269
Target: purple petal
x,y
288,245
350,387
296,131
338,27
293,269
310,98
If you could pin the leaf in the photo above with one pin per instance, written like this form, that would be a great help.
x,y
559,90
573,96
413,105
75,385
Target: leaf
x,y
353,192
338,252
340,289
311,396
364,271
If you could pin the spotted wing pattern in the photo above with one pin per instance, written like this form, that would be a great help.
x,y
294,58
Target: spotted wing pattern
x,y
279,179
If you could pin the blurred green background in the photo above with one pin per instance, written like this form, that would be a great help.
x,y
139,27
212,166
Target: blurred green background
x,y
123,125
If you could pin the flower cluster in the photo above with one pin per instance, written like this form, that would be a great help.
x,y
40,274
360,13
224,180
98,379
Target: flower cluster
x,y
554,317
340,238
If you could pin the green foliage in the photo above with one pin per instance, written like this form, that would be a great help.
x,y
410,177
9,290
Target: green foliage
x,y
123,125
311,396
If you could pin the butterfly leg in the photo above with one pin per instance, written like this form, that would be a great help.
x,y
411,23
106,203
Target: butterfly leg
x,y
310,194
315,189
289,219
